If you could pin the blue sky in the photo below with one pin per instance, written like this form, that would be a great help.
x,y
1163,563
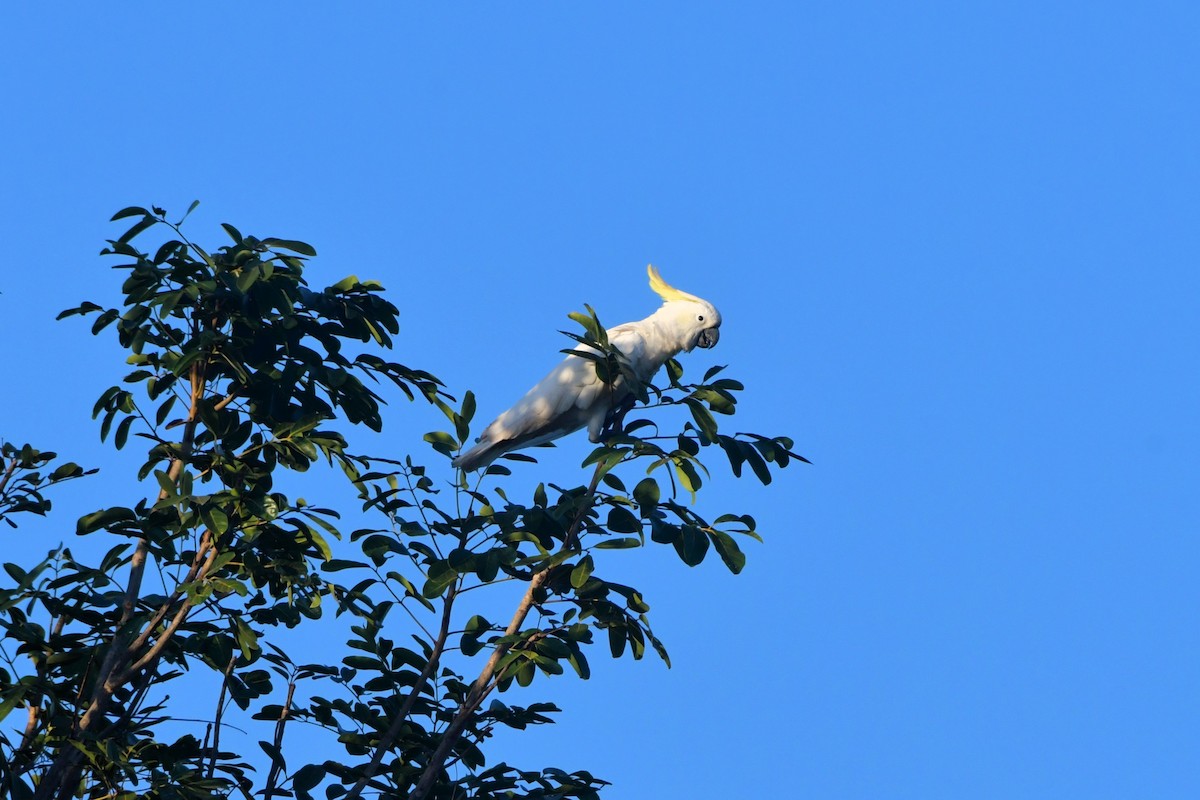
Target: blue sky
x,y
955,248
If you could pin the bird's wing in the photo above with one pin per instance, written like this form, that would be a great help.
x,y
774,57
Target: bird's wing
x,y
548,407
564,401
630,339
571,386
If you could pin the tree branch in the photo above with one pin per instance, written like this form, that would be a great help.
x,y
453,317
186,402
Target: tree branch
x,y
216,749
152,654
8,473
203,558
389,737
64,772
483,685
276,757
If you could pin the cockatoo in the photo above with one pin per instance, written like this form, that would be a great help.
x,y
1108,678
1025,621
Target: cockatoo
x,y
572,396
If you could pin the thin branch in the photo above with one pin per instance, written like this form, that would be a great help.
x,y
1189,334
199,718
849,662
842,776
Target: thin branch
x,y
484,585
387,585
8,473
216,743
486,681
35,709
393,731
200,561
276,758
229,398
421,510
152,654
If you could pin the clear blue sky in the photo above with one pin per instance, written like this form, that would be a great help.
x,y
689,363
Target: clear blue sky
x,y
955,246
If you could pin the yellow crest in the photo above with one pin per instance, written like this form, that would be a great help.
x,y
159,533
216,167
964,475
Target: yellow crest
x,y
665,290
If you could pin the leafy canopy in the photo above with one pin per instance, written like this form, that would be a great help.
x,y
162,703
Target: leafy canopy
x,y
239,372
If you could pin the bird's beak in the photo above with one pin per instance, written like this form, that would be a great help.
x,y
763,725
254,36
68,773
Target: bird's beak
x,y
708,337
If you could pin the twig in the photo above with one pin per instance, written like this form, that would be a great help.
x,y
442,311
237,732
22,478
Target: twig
x,y
8,473
277,757
216,722
229,398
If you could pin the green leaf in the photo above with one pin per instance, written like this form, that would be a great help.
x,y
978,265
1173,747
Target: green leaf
x,y
469,645
87,307
363,662
647,494
104,320
67,470
461,427
728,550
462,560
138,227
248,278
613,482
103,519
622,520
674,371
733,449
664,532
582,571
164,409
122,434
216,519
619,544
591,324
687,476
488,565
443,442
704,420
195,204
321,545
756,463
439,578
247,639
307,777
339,564
273,752
692,545
15,697
130,211
291,244
616,641
578,662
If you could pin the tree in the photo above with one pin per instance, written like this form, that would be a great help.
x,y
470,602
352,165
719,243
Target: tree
x,y
240,374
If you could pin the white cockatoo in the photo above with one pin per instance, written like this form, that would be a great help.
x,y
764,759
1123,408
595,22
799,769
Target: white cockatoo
x,y
572,396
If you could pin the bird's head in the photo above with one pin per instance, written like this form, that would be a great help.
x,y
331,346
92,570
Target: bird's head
x,y
697,321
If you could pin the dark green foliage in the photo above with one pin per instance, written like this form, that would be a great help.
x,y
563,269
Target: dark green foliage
x,y
239,369
22,480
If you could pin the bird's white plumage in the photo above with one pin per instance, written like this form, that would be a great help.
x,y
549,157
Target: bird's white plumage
x,y
572,396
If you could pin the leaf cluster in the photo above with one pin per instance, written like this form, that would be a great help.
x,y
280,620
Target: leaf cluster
x,y
23,481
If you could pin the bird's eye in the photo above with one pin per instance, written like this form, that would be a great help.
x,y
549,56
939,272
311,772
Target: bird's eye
x,y
700,318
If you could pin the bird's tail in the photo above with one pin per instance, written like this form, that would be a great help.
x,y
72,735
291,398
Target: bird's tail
x,y
477,457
